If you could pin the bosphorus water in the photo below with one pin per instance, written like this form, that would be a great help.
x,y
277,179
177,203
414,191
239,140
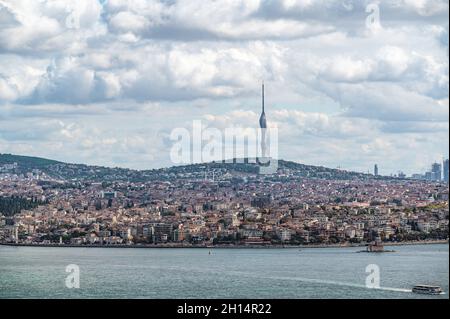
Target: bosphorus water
x,y
39,272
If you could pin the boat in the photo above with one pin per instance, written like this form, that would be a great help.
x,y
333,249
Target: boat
x,y
427,290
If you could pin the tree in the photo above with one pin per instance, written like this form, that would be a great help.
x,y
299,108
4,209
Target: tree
x,y
10,206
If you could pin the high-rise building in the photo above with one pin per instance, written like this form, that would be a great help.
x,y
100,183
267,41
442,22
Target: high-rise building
x,y
436,172
446,170
375,170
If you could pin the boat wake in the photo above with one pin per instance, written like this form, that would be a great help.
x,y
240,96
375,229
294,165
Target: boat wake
x,y
336,283
393,289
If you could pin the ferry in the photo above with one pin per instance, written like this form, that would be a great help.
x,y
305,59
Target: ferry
x,y
428,290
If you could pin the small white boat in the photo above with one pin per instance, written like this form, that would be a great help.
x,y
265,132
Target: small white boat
x,y
427,290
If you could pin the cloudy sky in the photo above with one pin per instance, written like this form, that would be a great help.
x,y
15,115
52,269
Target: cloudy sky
x,y
105,82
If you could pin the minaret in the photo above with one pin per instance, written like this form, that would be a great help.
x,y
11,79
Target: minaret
x,y
263,126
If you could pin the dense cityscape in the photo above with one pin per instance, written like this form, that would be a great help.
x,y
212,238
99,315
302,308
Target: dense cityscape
x,y
218,204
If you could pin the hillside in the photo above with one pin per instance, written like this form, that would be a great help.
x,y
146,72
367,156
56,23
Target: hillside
x,y
64,171
26,161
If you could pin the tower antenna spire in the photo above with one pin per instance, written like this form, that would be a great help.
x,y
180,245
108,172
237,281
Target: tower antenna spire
x,y
263,125
262,119
263,96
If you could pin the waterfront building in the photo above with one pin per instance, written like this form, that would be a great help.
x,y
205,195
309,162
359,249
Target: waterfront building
x,y
161,232
285,235
179,234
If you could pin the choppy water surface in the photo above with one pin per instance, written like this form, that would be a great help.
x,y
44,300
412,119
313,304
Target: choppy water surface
x,y
34,272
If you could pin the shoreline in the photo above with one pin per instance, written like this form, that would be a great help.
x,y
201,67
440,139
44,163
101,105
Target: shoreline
x,y
180,246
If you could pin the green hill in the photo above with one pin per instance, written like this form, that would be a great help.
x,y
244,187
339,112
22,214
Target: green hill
x,y
81,172
26,161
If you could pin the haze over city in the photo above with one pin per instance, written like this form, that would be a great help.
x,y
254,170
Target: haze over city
x,y
105,82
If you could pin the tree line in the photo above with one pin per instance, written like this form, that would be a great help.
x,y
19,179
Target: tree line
x,y
10,206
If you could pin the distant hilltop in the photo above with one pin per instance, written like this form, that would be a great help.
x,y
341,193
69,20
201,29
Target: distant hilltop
x,y
16,164
26,161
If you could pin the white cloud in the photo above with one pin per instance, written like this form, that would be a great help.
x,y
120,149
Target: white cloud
x,y
426,7
339,91
34,26
128,22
